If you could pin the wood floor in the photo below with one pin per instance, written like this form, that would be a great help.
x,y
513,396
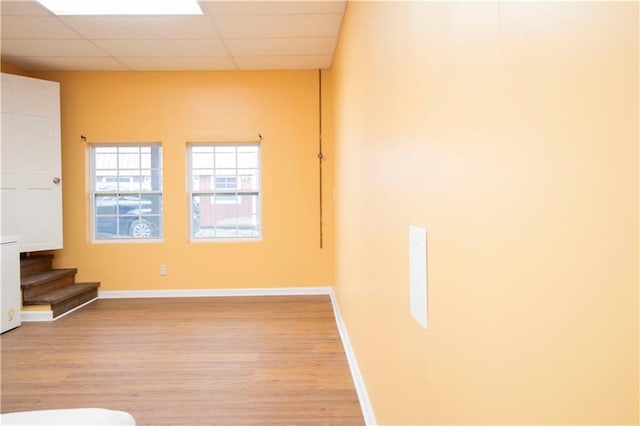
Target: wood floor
x,y
187,361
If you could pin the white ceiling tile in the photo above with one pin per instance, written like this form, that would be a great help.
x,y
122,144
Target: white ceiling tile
x,y
281,46
143,27
50,48
163,48
145,63
219,8
61,63
22,8
276,26
36,27
299,34
283,62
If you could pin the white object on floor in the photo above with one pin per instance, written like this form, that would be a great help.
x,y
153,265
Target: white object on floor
x,y
73,416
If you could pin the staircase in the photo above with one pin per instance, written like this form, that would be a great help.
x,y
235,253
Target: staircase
x,y
52,289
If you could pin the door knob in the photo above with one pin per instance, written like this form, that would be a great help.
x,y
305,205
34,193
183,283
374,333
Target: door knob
x,y
56,180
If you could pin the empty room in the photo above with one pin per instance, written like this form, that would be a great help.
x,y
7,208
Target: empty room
x,y
320,212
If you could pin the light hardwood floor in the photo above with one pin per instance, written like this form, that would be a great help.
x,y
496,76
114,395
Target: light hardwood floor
x,y
187,361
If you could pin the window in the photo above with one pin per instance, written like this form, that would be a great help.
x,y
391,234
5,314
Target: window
x,y
126,191
224,191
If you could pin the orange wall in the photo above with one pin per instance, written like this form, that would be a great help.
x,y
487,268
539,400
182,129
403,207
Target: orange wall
x,y
176,108
510,132
12,69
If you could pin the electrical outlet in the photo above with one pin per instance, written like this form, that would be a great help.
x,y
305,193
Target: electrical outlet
x,y
163,270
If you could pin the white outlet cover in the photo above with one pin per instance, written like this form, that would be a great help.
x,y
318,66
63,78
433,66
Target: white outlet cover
x,y
418,275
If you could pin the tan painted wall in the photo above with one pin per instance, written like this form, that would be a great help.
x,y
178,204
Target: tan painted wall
x,y
510,131
181,107
12,69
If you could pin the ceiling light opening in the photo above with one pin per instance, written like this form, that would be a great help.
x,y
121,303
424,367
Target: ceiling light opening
x,y
123,7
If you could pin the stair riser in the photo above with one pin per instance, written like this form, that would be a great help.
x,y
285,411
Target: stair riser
x,y
36,291
44,264
69,304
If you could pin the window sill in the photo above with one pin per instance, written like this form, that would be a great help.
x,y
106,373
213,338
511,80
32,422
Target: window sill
x,y
129,241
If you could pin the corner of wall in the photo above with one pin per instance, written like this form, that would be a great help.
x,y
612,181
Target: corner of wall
x,y
13,69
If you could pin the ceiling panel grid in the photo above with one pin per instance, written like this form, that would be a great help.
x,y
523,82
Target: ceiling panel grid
x,y
230,35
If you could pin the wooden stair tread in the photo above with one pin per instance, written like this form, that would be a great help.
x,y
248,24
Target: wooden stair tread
x,y
43,277
62,294
54,288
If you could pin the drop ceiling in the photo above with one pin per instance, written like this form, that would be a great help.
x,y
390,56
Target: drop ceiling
x,y
231,35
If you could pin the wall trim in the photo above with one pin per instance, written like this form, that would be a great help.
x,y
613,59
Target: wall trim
x,y
36,316
358,381
228,292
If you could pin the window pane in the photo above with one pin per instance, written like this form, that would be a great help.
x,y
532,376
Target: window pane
x,y
201,180
128,205
225,157
106,161
145,160
128,160
202,160
106,227
151,204
247,157
106,150
106,180
106,205
226,182
225,211
128,181
195,215
203,216
224,174
247,206
145,227
249,180
202,148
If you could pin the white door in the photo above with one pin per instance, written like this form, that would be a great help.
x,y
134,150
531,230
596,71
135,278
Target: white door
x,y
30,185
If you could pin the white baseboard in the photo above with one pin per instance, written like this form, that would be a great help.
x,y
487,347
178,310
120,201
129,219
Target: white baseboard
x,y
358,381
231,292
36,316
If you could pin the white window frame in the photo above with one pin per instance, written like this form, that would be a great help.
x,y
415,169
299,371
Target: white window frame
x,y
237,192
118,193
